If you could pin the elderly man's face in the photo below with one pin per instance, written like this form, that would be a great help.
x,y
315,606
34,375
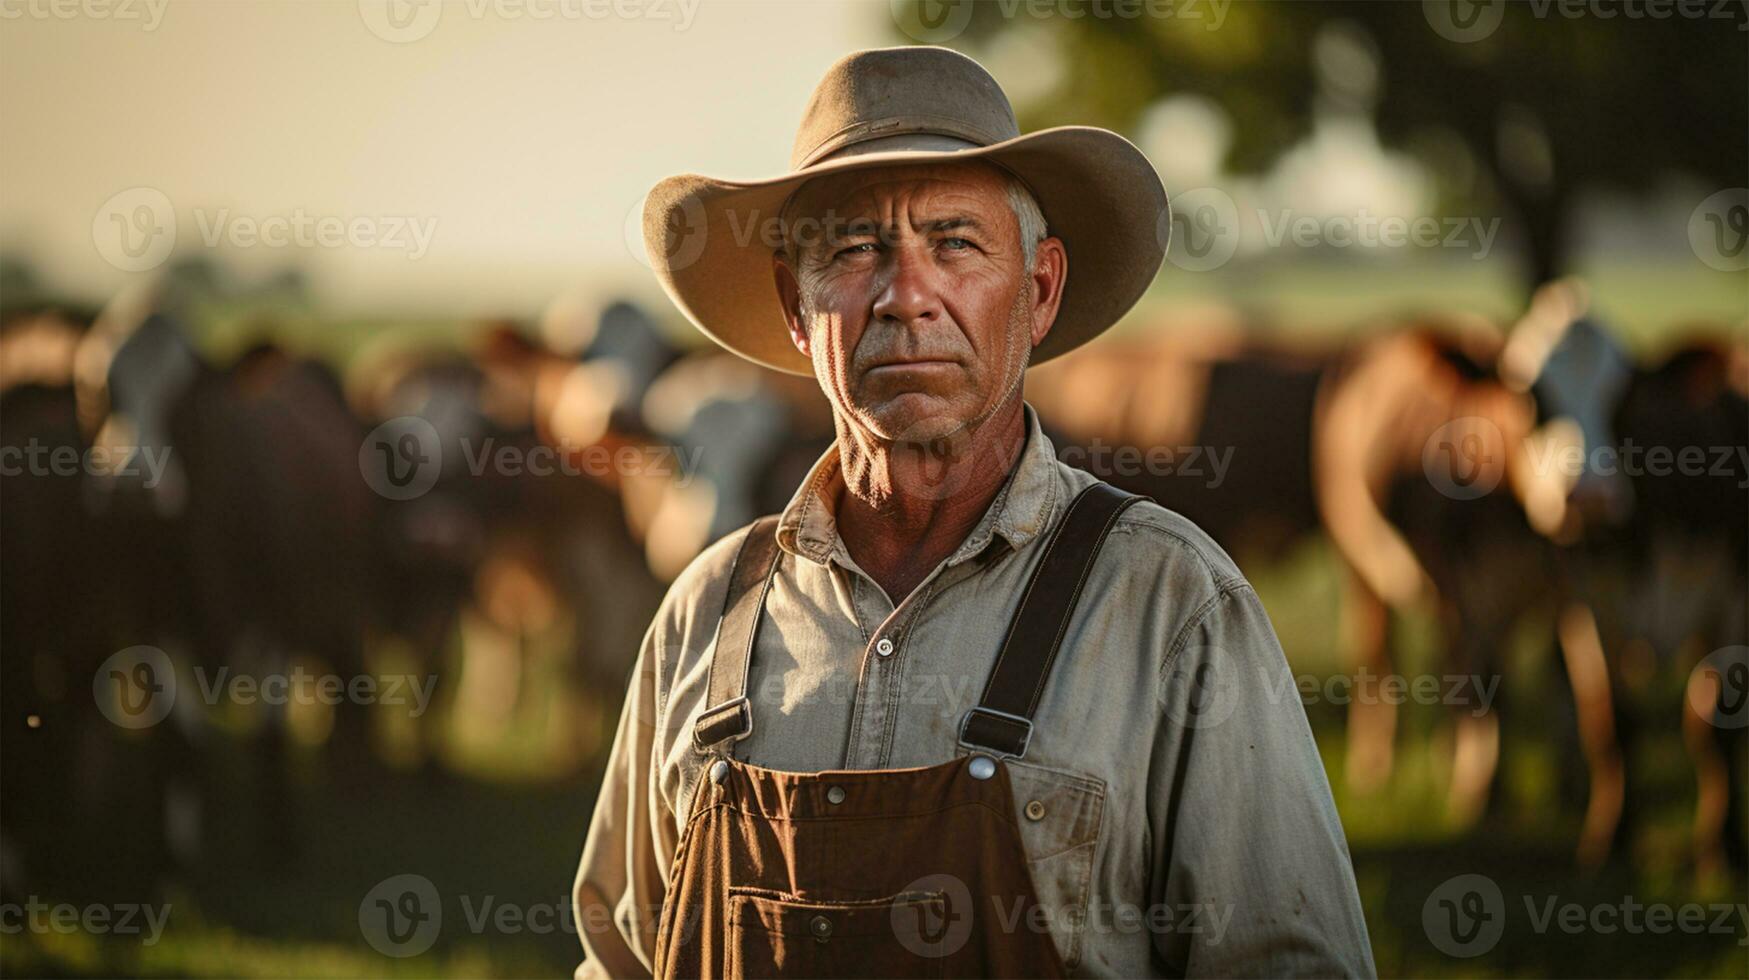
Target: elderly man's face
x,y
910,292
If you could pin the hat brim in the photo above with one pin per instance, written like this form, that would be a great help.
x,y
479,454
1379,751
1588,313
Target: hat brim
x,y
709,240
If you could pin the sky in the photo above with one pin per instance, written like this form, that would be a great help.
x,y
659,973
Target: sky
x,y
493,156
471,158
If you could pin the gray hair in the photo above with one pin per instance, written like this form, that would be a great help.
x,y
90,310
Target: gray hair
x,y
1030,216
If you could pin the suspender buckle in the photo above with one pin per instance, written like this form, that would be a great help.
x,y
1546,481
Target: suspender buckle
x,y
731,720
996,731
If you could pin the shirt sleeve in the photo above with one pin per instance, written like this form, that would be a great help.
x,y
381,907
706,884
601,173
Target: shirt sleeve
x,y
1248,853
617,899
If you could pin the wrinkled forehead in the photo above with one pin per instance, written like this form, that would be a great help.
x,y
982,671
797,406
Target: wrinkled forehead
x,y
966,185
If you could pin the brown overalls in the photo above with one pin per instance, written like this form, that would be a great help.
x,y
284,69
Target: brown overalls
x,y
871,873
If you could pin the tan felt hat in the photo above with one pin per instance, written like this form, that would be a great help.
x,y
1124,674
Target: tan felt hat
x,y
888,106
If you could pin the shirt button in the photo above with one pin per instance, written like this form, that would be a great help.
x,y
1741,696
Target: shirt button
x,y
835,794
982,767
884,647
821,927
719,771
1035,810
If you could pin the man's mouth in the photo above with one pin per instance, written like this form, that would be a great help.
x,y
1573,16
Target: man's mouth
x,y
922,364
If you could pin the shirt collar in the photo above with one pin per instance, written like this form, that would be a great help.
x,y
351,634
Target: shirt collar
x,y
1020,511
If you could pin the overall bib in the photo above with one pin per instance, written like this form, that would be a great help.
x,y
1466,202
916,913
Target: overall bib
x,y
872,873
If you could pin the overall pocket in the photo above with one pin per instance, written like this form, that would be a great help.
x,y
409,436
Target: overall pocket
x,y
1059,815
772,934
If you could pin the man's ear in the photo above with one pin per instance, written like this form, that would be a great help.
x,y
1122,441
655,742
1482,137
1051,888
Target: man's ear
x,y
1050,272
789,294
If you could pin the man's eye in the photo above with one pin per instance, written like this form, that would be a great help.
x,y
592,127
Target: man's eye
x,y
956,243
860,248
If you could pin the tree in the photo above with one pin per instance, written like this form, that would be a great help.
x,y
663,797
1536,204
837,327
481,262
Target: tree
x,y
1546,96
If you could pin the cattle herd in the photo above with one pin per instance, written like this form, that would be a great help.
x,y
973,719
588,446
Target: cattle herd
x,y
266,514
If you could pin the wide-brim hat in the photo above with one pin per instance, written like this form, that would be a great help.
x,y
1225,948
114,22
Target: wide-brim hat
x,y
709,239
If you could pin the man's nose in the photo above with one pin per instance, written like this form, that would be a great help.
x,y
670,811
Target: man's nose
x,y
911,294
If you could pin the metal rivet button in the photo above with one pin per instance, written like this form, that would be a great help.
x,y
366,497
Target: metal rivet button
x,y
884,647
982,767
820,926
1035,810
719,771
835,794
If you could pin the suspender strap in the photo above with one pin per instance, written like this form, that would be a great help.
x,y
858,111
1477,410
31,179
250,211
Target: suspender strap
x,y
729,714
1002,721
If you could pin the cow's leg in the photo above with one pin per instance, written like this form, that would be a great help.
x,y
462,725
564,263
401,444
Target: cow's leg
x,y
1717,753
1712,782
1474,763
1476,749
1582,651
1372,722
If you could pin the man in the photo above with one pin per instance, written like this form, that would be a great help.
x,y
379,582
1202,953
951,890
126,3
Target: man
x,y
959,709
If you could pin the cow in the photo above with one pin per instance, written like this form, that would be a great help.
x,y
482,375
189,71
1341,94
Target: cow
x,y
1652,522
1265,445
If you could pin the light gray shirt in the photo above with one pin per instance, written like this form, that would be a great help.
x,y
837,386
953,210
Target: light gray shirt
x,y
1183,823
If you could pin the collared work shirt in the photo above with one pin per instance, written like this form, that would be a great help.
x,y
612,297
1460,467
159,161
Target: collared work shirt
x,y
1172,804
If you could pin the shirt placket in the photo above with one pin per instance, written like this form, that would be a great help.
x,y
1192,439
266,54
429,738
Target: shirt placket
x,y
880,682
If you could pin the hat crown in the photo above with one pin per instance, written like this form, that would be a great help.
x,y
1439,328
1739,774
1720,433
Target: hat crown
x,y
885,92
